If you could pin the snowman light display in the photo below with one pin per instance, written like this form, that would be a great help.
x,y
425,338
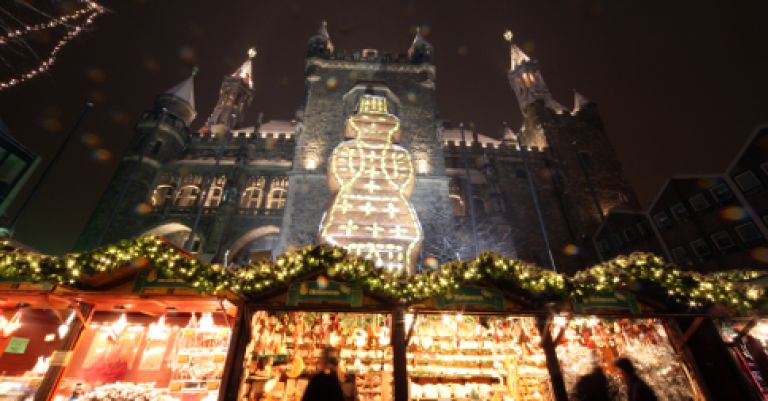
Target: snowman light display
x,y
372,178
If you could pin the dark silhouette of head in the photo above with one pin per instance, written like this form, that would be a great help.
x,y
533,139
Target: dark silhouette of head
x,y
626,367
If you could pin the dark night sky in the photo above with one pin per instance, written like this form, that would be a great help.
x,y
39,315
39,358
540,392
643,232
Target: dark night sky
x,y
680,84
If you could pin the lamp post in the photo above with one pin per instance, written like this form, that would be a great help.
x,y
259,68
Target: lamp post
x,y
470,197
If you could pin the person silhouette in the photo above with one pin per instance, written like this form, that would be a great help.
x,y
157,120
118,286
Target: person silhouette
x,y
593,386
637,389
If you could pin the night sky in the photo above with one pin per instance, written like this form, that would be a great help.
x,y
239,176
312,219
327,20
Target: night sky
x,y
680,84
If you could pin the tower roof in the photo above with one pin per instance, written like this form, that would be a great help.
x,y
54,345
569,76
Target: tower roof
x,y
185,89
245,70
420,50
516,56
579,101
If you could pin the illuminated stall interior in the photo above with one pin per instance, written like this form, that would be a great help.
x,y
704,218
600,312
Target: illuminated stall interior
x,y
454,356
28,338
285,349
165,356
591,341
749,345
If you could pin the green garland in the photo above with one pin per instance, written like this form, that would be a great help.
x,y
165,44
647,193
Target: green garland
x,y
624,272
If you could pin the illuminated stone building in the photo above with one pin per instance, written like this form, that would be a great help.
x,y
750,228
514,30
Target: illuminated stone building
x,y
246,190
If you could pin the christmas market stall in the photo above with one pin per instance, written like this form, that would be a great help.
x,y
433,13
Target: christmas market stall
x,y
146,333
747,338
35,328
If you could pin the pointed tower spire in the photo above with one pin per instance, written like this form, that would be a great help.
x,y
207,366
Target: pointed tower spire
x,y
420,50
516,56
245,70
235,96
579,101
185,90
526,79
323,32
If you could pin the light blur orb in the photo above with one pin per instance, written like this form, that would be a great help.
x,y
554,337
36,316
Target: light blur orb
x,y
571,250
411,97
95,74
322,282
102,155
760,254
733,213
462,50
91,139
187,53
331,83
143,208
431,262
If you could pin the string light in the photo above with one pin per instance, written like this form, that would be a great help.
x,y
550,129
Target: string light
x,y
544,285
87,14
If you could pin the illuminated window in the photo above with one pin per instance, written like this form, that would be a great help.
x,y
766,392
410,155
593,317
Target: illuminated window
x,y
278,193
253,195
187,196
216,192
458,208
162,195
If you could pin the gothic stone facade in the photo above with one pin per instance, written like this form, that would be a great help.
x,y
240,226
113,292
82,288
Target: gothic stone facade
x,y
269,189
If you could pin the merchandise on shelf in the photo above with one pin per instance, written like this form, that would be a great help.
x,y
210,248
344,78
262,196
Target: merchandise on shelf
x,y
590,342
750,348
135,356
467,357
286,347
28,337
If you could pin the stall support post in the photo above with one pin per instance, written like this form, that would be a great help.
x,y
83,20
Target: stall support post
x,y
553,365
233,368
398,355
51,378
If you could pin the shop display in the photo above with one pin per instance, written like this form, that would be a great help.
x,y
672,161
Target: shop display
x,y
28,337
137,357
285,349
462,357
750,349
590,342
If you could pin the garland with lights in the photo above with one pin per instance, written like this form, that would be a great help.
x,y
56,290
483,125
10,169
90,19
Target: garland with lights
x,y
727,288
76,23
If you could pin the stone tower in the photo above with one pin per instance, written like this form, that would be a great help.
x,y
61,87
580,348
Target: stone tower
x,y
582,170
161,136
335,83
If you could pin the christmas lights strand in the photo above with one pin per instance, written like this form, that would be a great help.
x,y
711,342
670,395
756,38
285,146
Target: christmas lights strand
x,y
92,11
90,6
730,289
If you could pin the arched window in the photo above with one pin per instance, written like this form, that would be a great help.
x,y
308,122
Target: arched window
x,y
162,195
457,202
216,191
253,194
278,193
187,196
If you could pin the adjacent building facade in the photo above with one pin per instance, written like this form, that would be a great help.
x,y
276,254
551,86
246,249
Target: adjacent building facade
x,y
17,164
231,192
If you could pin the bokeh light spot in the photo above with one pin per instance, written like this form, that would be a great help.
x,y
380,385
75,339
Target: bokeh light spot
x,y
571,250
102,155
760,254
91,139
733,213
411,97
462,50
143,208
331,83
95,74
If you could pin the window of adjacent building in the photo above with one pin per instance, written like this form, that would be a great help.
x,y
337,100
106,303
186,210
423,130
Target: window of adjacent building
x,y
644,228
216,192
630,234
679,255
721,193
278,193
679,211
747,181
187,196
253,195
162,195
662,219
699,203
723,241
748,233
10,171
701,248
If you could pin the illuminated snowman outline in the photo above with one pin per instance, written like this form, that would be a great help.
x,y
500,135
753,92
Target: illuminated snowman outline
x,y
372,179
